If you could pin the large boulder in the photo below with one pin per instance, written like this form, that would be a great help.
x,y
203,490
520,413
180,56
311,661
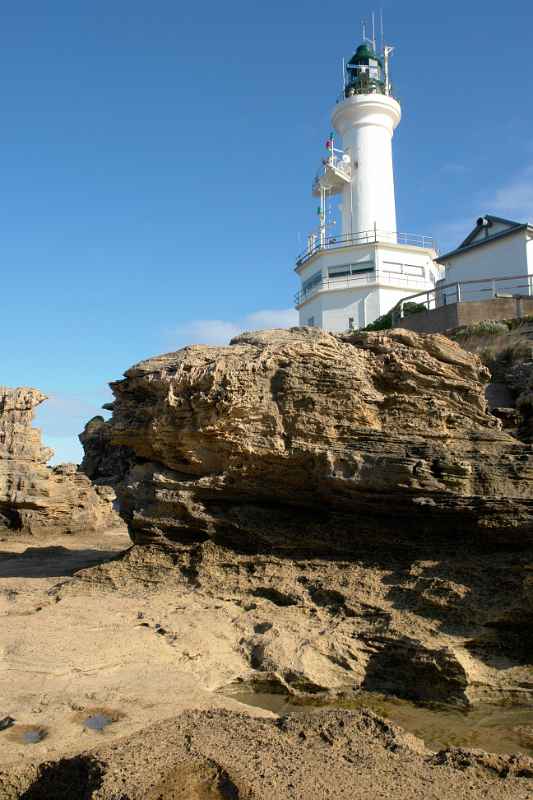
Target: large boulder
x,y
348,500
36,499
355,437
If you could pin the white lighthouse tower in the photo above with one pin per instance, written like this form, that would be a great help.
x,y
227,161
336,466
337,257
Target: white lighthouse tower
x,y
358,267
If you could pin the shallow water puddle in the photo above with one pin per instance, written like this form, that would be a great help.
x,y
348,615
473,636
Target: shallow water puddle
x,y
27,734
98,722
33,736
497,729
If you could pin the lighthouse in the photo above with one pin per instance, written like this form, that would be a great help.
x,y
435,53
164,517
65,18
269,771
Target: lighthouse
x,y
356,265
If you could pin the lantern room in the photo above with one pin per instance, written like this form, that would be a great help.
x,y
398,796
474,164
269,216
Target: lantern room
x,y
364,72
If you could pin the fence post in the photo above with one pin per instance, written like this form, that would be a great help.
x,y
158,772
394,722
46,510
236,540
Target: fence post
x,y
458,287
493,284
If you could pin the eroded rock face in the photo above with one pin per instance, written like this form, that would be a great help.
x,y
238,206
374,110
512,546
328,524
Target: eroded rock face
x,y
36,499
351,494
353,437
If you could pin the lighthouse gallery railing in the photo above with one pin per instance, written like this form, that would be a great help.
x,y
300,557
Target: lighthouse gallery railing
x,y
364,237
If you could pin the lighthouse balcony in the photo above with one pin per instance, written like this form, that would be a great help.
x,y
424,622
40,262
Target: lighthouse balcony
x,y
356,276
336,174
318,244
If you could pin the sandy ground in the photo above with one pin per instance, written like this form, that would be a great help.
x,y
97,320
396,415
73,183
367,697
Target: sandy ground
x,y
150,662
66,655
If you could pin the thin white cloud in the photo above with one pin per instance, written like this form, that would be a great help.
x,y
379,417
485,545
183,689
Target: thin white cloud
x,y
219,331
450,234
63,416
515,199
277,318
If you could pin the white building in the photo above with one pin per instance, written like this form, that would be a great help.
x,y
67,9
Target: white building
x,y
351,276
495,259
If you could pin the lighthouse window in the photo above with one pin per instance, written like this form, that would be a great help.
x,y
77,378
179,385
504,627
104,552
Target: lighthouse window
x,y
412,269
312,281
339,272
406,269
363,266
346,270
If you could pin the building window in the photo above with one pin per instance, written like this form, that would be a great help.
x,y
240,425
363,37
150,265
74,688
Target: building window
x,y
345,270
311,322
405,269
312,281
339,272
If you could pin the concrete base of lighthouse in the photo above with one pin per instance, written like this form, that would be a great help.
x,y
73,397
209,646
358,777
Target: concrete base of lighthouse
x,y
349,287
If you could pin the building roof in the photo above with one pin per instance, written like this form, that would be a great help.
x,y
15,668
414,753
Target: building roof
x,y
481,234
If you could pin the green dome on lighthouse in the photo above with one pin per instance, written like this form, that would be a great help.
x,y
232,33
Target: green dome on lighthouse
x,y
364,72
364,51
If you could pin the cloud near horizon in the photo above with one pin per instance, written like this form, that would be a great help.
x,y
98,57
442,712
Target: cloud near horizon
x,y
512,199
515,198
63,416
220,331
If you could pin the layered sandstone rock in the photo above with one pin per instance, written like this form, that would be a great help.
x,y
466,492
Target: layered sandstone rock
x,y
36,499
351,494
358,436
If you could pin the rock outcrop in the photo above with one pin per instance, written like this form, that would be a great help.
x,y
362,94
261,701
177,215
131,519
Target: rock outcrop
x,y
36,499
227,756
352,494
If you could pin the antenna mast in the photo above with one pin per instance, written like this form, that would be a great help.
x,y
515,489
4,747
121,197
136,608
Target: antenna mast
x,y
387,52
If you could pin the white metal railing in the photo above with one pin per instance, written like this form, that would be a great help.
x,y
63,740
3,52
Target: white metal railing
x,y
354,281
467,291
319,242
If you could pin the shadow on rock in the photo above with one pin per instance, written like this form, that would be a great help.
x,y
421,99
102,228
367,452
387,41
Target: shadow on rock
x,y
407,669
69,779
51,562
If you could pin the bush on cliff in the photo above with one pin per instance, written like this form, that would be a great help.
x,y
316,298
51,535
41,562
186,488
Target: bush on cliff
x,y
384,322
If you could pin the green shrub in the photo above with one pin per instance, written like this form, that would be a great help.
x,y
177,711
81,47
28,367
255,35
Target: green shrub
x,y
517,323
487,327
384,322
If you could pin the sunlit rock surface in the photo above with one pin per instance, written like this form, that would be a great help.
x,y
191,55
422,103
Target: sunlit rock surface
x,y
351,493
36,499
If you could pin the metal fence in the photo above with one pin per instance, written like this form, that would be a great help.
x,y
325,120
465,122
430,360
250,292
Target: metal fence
x,y
467,291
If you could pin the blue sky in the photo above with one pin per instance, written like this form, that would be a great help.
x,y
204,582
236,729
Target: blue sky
x,y
156,161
